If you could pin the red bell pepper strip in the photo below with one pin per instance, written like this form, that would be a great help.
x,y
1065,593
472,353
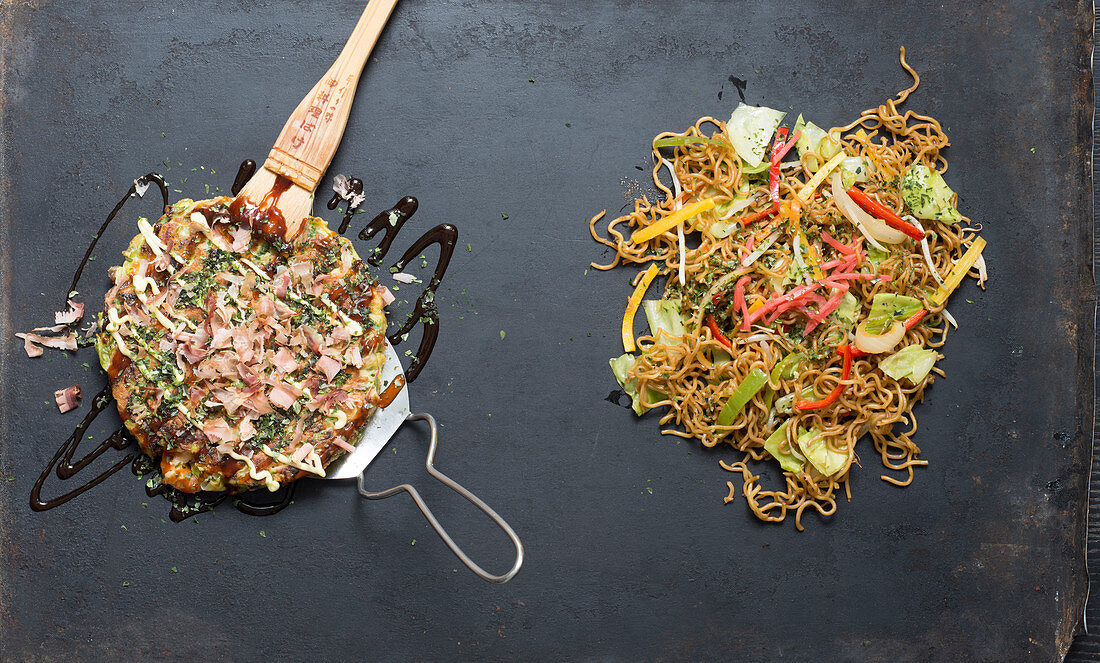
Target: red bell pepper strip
x,y
846,351
912,320
718,335
756,216
773,176
877,209
786,147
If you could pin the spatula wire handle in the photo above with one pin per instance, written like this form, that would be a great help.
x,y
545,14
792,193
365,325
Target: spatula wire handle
x,y
454,485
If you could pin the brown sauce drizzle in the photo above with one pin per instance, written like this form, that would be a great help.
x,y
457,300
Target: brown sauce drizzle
x,y
244,173
401,212
259,508
355,185
144,180
391,391
63,459
446,236
265,218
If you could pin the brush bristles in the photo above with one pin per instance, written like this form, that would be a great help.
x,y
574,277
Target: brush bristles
x,y
296,203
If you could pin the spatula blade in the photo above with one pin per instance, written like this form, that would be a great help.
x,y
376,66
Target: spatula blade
x,y
379,429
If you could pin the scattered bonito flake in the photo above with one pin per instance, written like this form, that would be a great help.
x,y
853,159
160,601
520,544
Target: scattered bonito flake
x,y
341,185
403,277
67,398
71,316
387,296
67,342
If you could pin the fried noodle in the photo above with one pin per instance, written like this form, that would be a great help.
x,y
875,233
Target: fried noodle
x,y
694,375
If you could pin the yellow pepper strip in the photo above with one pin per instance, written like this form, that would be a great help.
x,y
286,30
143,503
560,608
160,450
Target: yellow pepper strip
x,y
939,297
672,220
632,305
755,305
808,191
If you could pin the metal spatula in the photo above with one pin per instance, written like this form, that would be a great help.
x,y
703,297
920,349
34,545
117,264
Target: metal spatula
x,y
377,433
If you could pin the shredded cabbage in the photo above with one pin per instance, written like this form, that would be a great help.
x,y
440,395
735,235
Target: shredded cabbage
x,y
848,309
927,195
887,307
855,169
664,317
813,443
793,461
620,366
912,361
750,130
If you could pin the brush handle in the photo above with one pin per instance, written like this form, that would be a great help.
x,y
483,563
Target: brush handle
x,y
309,139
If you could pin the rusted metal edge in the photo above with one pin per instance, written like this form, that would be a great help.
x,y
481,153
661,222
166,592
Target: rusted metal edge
x,y
1083,646
7,39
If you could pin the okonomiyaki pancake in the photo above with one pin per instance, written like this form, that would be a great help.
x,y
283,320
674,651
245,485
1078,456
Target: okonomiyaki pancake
x,y
237,357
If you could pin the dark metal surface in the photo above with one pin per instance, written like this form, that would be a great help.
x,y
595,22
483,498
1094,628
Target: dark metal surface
x,y
981,559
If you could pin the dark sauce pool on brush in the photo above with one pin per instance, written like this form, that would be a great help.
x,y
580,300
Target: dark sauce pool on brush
x,y
270,221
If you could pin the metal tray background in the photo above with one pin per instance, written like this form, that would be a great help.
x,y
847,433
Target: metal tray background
x,y
542,112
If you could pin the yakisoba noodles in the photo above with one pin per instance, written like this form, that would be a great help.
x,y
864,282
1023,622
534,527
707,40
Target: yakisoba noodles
x,y
804,300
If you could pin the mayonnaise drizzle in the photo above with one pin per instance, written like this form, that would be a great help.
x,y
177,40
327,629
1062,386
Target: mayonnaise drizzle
x,y
258,475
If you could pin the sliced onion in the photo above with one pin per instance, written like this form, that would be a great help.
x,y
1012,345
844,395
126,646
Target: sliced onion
x,y
885,342
760,250
950,318
676,190
872,228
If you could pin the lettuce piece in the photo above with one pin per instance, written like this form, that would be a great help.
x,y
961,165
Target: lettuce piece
x,y
791,462
854,170
927,195
620,366
750,130
887,308
785,404
664,318
813,443
814,139
848,309
875,257
912,361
